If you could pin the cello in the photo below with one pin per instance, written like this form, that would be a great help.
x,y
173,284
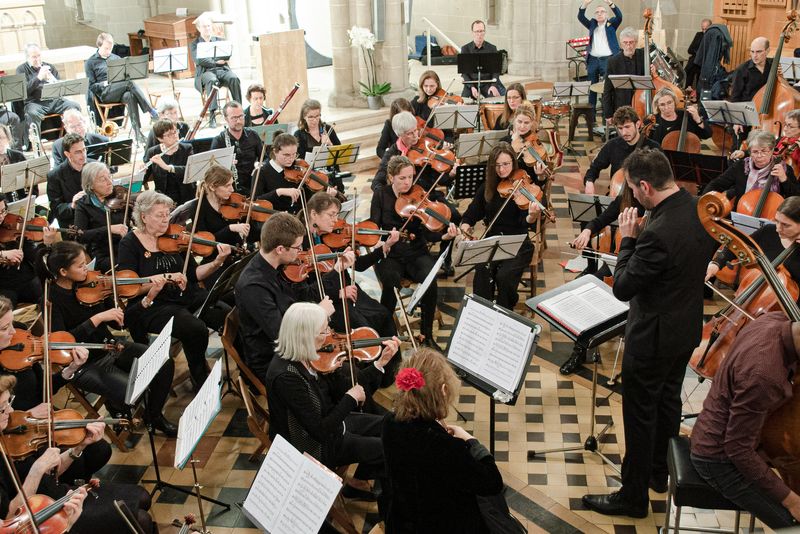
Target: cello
x,y
642,98
777,98
683,140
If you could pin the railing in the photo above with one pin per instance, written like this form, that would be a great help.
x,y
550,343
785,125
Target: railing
x,y
432,26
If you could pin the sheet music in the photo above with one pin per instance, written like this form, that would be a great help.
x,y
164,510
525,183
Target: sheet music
x,y
146,366
198,164
747,223
583,308
198,416
292,493
423,287
493,346
12,175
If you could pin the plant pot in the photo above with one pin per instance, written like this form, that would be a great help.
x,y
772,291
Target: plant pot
x,y
375,101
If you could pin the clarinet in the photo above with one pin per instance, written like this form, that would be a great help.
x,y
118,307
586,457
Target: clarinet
x,y
227,137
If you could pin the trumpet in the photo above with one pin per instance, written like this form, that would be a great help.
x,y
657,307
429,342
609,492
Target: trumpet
x,y
173,145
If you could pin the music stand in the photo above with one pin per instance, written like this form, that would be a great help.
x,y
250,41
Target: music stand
x,y
170,60
127,68
201,145
112,153
486,250
422,288
591,339
569,90
747,223
13,88
585,208
696,168
483,63
64,88
791,68
731,114
214,50
455,117
468,179
198,164
478,144
333,156
266,132
631,82
16,176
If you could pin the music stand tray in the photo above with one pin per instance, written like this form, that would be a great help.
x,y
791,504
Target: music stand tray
x,y
456,117
112,153
696,168
13,88
487,250
170,60
585,208
478,144
128,68
468,180
266,132
479,63
61,89
631,82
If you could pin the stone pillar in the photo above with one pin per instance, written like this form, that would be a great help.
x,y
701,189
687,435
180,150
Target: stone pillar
x,y
539,31
343,94
394,52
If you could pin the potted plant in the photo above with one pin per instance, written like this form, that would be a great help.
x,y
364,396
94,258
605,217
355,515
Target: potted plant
x,y
373,90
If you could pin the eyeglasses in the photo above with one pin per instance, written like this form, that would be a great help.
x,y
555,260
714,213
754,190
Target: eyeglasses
x,y
298,248
5,408
760,152
4,211
503,165
325,332
236,117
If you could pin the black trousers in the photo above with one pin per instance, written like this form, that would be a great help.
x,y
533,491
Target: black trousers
x,y
222,76
361,444
35,111
499,280
391,270
651,411
133,97
366,311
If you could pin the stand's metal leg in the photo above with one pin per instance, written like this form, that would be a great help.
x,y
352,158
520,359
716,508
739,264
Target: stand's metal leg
x,y
613,380
197,488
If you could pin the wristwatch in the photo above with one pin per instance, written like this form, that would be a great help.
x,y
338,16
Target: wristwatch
x,y
74,456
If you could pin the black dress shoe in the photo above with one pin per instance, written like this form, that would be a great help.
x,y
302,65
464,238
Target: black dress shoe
x,y
446,270
355,494
431,343
658,484
612,504
163,425
576,359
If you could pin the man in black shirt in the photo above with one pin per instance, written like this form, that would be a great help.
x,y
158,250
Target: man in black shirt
x,y
692,70
629,60
751,75
74,123
479,46
246,142
38,73
64,182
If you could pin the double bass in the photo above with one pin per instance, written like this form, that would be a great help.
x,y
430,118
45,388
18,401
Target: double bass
x,y
643,98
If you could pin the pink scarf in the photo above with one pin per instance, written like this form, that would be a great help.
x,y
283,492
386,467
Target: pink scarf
x,y
757,178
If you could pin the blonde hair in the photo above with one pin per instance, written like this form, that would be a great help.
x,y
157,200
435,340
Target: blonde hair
x,y
217,176
7,383
526,108
299,328
428,402
666,91
5,305
146,201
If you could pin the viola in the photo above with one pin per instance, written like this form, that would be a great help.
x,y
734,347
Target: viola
x,y
366,347
531,150
434,215
11,228
25,349
98,286
119,199
430,133
445,99
236,207
317,180
303,265
424,153
524,193
48,514
367,234
176,239
25,434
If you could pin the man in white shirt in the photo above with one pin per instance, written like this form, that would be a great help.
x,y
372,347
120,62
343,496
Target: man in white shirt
x,y
602,40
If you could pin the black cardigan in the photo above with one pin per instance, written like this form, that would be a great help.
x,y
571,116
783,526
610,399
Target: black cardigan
x,y
92,220
733,182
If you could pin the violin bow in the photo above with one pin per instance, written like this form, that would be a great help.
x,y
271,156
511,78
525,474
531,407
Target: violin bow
x,y
111,256
310,236
517,186
404,316
17,483
353,232
254,187
47,382
348,337
201,191
130,183
27,212
424,198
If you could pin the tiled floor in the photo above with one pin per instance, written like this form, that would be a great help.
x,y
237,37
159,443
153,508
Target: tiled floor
x,y
552,411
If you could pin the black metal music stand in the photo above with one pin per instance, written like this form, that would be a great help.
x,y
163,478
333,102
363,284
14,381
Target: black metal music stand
x,y
696,168
483,63
112,153
728,114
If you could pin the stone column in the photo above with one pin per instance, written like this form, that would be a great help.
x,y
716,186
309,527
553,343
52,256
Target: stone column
x,y
539,31
394,52
343,94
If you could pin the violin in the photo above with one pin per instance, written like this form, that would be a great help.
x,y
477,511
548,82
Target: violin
x,y
366,348
317,180
531,150
434,215
119,199
98,286
367,234
48,514
303,265
11,229
176,239
524,191
435,135
25,434
236,207
26,349
442,97
424,153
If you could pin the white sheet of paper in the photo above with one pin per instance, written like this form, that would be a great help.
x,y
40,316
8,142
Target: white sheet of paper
x,y
584,307
198,416
146,366
423,287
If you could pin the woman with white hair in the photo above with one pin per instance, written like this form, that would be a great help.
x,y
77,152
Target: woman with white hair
x,y
90,214
303,410
171,294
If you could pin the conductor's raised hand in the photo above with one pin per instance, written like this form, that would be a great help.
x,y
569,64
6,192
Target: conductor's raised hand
x,y
628,221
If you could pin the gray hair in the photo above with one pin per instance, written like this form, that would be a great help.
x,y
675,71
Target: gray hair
x,y
794,115
403,122
629,32
89,174
760,138
665,91
166,103
71,114
30,47
145,202
299,328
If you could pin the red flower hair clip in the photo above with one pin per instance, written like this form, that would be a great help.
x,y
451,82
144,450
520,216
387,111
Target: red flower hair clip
x,y
409,378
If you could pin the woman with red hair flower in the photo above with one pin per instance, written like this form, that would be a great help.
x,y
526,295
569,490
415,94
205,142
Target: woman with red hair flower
x,y
440,477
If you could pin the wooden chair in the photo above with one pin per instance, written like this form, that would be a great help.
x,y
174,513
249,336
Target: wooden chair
x,y
222,98
52,127
105,112
154,95
257,419
228,338
338,513
539,246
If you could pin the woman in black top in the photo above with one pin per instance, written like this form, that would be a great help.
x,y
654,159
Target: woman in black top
x,y
406,259
168,163
256,114
669,118
90,214
523,123
388,137
515,95
158,302
312,131
168,109
773,240
106,372
272,183
429,85
499,280
7,156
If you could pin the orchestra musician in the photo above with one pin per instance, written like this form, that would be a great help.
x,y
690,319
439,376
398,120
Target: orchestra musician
x,y
499,280
105,372
660,269
263,293
406,259
669,118
602,41
629,60
749,386
90,214
752,172
479,45
523,123
74,123
167,110
246,142
64,185
168,162
121,91
7,156
158,301
273,184
429,85
388,137
256,114
38,73
515,95
751,75
692,68
11,120
212,71
312,132
306,412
